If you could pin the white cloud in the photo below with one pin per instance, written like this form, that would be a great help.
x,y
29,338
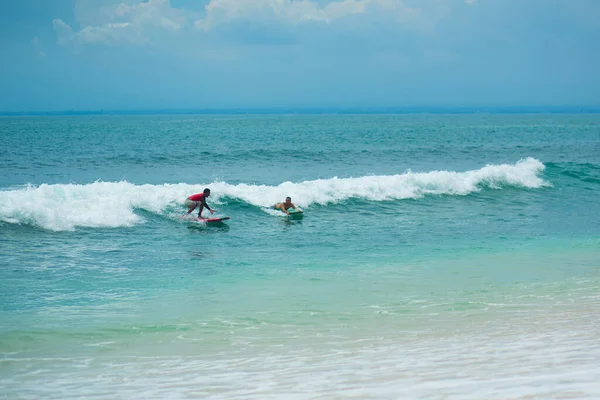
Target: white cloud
x,y
157,13
107,34
63,31
121,32
424,18
220,12
135,22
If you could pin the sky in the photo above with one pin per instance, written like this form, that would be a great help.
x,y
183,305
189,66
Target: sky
x,y
192,54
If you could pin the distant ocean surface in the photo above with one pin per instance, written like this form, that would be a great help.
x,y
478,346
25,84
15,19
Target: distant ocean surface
x,y
439,257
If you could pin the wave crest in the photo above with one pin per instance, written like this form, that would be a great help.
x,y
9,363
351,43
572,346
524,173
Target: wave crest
x,y
112,204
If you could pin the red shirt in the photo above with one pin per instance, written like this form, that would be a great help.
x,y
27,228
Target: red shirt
x,y
197,197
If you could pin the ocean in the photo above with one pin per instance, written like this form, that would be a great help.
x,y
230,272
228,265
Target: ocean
x,y
438,257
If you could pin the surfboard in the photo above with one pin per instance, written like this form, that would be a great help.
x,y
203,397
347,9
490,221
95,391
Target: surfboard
x,y
210,220
295,213
206,220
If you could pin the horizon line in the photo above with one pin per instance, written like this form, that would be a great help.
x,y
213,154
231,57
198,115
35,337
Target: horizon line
x,y
583,109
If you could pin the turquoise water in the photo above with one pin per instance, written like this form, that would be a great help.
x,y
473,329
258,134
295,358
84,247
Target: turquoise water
x,y
439,256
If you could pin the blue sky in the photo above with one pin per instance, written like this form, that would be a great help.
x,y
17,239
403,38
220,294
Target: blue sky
x,y
161,54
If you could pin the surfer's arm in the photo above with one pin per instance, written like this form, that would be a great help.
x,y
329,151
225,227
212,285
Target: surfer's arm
x,y
209,209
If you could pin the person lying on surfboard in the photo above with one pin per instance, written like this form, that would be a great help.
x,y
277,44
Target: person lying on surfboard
x,y
198,200
285,205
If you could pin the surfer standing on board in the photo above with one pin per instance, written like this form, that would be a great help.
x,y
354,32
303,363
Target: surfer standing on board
x,y
198,200
285,205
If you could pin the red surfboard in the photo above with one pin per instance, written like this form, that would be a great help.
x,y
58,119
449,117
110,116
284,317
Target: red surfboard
x,y
207,220
204,220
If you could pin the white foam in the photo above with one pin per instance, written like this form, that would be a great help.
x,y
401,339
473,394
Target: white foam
x,y
551,354
99,204
112,204
393,187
